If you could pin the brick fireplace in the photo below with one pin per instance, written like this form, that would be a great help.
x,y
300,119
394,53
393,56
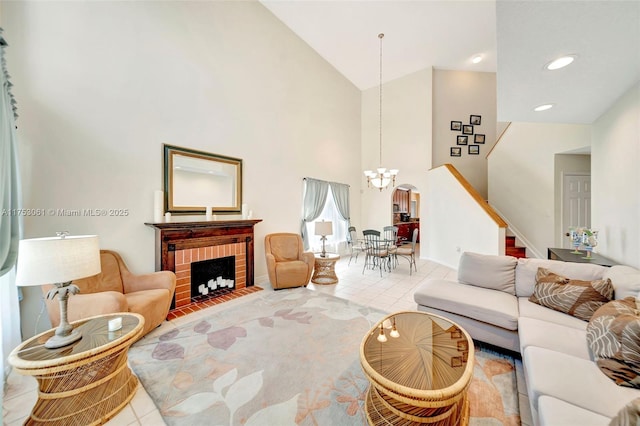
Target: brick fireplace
x,y
184,260
180,244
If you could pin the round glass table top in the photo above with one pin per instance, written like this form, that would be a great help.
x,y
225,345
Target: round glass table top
x,y
417,350
95,337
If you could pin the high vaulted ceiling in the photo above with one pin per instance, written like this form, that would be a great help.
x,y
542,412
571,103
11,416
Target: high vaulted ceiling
x,y
515,38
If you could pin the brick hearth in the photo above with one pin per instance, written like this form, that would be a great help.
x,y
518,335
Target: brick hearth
x,y
195,307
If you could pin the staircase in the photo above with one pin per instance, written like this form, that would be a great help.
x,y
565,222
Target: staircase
x,y
512,250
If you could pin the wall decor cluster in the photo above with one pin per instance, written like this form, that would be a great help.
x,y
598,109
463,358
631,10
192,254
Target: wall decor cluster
x,y
467,131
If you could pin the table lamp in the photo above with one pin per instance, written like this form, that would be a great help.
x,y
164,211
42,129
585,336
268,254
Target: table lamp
x,y
58,260
323,229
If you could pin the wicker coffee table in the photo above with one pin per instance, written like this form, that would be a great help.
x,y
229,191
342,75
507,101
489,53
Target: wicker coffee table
x,y
84,383
421,376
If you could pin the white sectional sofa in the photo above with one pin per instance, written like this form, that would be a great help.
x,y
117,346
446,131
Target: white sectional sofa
x,y
491,301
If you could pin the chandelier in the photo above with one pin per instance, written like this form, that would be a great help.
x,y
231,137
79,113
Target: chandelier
x,y
381,177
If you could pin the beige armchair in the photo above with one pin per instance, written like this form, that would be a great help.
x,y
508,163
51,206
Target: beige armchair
x,y
116,289
287,262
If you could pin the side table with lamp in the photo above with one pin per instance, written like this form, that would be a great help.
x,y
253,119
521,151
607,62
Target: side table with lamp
x,y
324,265
81,368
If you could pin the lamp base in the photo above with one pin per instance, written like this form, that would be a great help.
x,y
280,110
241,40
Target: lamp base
x,y
65,333
58,341
324,253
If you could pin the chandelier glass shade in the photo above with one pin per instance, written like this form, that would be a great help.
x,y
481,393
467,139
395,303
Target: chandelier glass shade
x,y
381,177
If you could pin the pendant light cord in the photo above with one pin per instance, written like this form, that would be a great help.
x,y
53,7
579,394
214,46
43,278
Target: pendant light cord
x,y
380,36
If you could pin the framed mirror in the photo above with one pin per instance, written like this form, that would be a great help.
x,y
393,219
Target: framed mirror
x,y
195,180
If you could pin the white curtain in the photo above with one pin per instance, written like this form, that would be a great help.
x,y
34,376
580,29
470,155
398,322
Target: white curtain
x,y
10,216
313,201
334,208
340,193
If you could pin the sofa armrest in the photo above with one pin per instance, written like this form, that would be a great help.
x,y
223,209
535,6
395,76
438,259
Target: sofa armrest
x,y
81,306
153,281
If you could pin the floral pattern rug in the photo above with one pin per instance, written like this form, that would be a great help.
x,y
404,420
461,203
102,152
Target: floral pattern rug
x,y
286,358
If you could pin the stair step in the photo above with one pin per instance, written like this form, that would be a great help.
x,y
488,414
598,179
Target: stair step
x,y
510,241
516,251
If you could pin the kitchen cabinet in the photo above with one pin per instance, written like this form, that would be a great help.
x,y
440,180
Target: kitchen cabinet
x,y
401,201
405,231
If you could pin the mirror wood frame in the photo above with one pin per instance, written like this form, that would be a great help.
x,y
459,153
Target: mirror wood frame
x,y
170,154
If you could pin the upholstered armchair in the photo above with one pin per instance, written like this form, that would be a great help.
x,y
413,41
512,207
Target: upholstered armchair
x,y
116,289
287,262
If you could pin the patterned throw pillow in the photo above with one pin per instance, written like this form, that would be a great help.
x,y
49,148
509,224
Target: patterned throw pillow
x,y
628,415
574,297
613,334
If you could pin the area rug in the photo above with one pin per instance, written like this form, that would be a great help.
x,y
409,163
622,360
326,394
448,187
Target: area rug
x,y
286,358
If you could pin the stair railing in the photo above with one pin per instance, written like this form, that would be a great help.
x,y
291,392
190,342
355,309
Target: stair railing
x,y
458,219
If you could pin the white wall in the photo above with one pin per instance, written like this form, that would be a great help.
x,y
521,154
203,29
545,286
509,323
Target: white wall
x,y
456,222
406,142
101,85
615,179
522,176
456,96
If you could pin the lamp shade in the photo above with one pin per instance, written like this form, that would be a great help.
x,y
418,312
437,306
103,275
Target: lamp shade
x,y
324,228
57,259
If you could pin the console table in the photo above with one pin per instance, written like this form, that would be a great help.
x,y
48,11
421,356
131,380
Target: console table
x,y
566,255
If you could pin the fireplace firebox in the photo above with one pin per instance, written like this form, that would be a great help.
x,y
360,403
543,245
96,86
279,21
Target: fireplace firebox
x,y
212,277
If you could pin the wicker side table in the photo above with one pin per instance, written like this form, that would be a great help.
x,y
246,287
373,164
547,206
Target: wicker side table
x,y
420,366
87,382
324,271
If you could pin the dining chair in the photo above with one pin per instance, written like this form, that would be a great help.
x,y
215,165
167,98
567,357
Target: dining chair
x,y
356,246
376,250
409,252
390,233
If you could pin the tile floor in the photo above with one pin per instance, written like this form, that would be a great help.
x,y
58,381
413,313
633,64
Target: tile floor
x,y
392,292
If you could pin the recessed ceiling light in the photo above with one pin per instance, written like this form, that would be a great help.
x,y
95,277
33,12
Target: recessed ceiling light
x,y
543,107
560,62
476,59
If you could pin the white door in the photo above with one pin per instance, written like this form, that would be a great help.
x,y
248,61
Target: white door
x,y
576,202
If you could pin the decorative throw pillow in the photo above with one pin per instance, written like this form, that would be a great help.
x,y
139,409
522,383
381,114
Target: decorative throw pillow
x,y
613,334
488,271
574,297
628,415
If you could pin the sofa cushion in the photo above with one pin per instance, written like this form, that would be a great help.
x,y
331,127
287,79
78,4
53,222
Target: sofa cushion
x,y
533,310
613,335
109,278
526,271
625,280
285,247
545,334
554,412
151,304
574,380
574,297
490,306
290,273
488,271
628,415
